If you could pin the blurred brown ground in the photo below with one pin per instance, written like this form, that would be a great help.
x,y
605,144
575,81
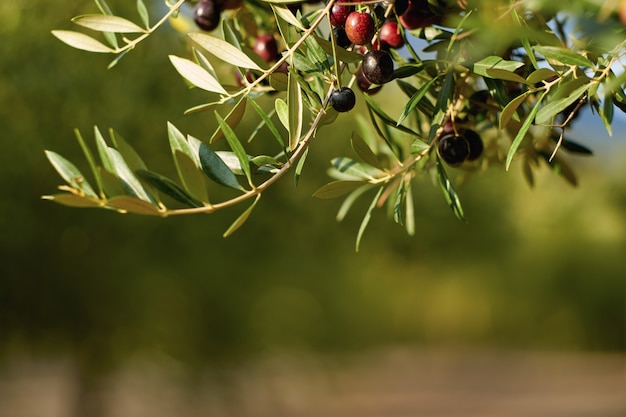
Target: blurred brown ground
x,y
390,383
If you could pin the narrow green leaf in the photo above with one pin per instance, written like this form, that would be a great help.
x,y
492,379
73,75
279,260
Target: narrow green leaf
x,y
300,166
242,218
366,218
364,151
104,7
103,151
317,54
409,215
342,54
90,160
143,13
128,177
349,169
81,41
350,200
169,187
547,112
224,51
111,184
216,169
523,130
191,176
294,111
415,99
232,119
449,194
285,14
606,114
385,117
541,74
505,75
134,205
509,111
337,189
268,122
70,173
73,200
419,146
563,56
131,156
282,111
107,23
196,75
235,145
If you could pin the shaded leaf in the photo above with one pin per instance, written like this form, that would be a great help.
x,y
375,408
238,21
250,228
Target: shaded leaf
x,y
419,146
285,14
337,189
196,75
541,74
232,119
342,54
107,23
127,204
349,169
300,166
449,194
242,218
366,219
268,122
216,169
90,159
371,104
73,200
81,41
168,187
235,145
224,51
364,151
191,176
509,111
351,199
143,13
415,99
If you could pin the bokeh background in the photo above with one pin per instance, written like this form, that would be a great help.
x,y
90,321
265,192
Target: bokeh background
x,y
88,293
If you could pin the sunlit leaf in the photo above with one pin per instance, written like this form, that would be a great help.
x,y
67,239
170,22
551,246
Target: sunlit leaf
x,y
224,51
70,173
285,14
81,41
563,56
554,107
419,146
128,177
90,160
486,66
300,166
196,75
282,111
107,23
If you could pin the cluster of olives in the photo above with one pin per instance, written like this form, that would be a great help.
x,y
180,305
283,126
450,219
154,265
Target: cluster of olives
x,y
457,147
354,27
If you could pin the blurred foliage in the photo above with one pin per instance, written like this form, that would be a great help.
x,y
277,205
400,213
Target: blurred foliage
x,y
538,268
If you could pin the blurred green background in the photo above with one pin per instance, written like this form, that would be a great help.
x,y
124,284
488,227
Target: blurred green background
x,y
532,269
